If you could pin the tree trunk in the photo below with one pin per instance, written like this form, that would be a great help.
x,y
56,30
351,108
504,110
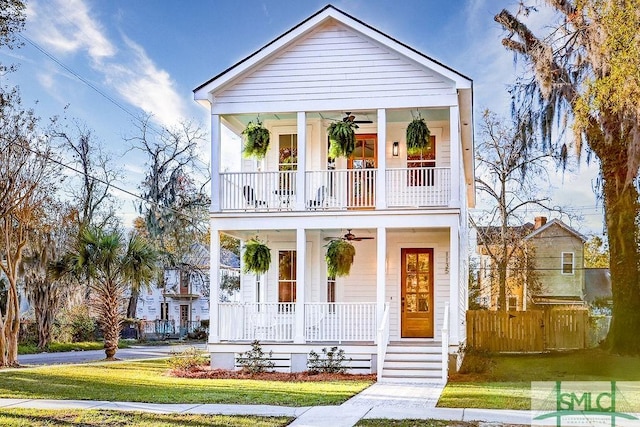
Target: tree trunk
x,y
133,304
111,317
44,320
621,207
502,285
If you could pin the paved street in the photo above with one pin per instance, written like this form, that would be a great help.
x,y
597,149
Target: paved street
x,y
136,352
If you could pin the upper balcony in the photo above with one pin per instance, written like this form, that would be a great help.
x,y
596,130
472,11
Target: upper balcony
x,y
380,174
335,190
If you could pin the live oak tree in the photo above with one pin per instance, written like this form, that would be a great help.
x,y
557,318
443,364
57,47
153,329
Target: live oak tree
x,y
585,71
510,178
175,210
47,242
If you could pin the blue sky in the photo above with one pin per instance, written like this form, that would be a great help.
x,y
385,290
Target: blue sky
x,y
148,56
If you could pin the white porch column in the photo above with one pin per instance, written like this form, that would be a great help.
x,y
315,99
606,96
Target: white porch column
x,y
454,284
381,272
457,175
301,255
216,144
214,286
381,179
302,161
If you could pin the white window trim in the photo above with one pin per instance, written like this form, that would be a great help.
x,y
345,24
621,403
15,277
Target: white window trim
x,y
573,263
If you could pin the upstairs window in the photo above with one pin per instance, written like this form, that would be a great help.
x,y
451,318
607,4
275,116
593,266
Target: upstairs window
x,y
421,164
288,149
567,263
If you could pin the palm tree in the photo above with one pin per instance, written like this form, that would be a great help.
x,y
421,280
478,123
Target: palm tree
x,y
111,267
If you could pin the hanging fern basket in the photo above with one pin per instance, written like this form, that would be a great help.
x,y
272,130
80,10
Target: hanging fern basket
x,y
256,257
256,140
417,136
340,255
342,138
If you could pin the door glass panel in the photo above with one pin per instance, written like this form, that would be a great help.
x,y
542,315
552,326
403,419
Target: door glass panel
x,y
412,283
411,262
411,303
423,283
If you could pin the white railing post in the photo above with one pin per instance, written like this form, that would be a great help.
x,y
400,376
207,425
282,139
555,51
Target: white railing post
x,y
445,344
382,339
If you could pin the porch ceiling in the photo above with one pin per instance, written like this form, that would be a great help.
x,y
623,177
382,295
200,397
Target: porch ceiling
x,y
393,116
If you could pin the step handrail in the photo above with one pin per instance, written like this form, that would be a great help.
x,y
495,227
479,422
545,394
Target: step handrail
x,y
445,344
383,340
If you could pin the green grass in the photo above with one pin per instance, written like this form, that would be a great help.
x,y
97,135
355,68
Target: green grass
x,y
56,347
37,418
146,381
507,380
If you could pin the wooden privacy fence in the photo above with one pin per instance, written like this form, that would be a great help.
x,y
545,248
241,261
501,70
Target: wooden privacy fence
x,y
527,331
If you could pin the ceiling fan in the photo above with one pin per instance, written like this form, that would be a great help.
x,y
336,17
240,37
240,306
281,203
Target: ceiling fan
x,y
348,117
349,236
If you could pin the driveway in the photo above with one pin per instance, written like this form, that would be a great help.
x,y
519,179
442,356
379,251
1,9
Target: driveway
x,y
134,352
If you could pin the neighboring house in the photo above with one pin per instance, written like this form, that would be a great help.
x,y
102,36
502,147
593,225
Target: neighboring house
x,y
401,310
183,302
558,262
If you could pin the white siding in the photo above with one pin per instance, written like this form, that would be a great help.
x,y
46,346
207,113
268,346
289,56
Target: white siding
x,y
333,63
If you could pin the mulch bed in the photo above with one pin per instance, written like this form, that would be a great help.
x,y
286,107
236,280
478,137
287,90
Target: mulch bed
x,y
208,373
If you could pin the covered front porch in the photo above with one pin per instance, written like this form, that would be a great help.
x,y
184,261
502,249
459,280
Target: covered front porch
x,y
398,291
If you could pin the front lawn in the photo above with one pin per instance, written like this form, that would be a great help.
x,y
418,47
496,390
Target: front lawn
x,y
506,382
146,381
37,418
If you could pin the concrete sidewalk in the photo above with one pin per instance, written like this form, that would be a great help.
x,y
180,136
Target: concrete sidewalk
x,y
381,400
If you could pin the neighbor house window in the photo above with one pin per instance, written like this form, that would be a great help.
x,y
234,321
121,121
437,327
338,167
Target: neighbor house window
x,y
287,276
567,263
421,164
164,310
512,303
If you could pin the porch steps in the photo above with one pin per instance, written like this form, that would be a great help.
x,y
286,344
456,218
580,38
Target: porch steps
x,y
413,362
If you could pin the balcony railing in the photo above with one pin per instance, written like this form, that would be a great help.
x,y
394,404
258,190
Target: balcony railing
x,y
334,189
418,187
331,322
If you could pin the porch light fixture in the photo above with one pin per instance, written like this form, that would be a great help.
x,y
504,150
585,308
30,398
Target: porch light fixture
x,y
396,148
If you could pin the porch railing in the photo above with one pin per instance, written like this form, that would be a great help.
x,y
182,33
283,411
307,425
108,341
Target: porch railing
x,y
415,187
341,189
336,322
334,189
257,190
340,321
257,321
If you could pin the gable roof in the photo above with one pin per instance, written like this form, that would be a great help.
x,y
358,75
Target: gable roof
x,y
560,224
315,20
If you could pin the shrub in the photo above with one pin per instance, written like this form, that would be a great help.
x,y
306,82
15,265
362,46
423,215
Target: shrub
x,y
74,325
188,359
331,362
255,361
198,333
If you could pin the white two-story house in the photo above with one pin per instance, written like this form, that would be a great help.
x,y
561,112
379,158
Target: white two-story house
x,y
400,312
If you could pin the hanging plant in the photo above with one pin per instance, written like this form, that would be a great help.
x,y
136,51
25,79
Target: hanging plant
x,y
256,141
257,257
417,136
340,255
342,137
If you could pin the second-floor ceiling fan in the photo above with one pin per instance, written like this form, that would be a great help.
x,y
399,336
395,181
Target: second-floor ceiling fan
x,y
348,117
349,237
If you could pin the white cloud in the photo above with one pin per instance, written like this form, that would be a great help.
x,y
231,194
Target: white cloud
x,y
67,27
141,83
